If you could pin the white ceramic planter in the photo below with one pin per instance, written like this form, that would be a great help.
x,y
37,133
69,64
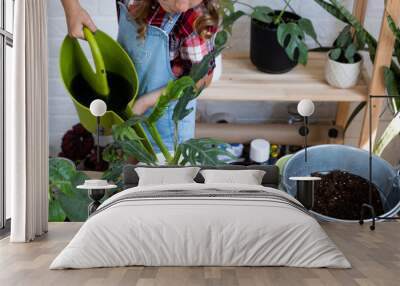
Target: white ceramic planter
x,y
342,75
218,69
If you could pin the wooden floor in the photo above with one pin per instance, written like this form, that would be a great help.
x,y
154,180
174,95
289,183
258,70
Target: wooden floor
x,y
375,257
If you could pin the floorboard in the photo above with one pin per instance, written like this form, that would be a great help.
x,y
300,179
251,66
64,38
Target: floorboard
x,y
375,257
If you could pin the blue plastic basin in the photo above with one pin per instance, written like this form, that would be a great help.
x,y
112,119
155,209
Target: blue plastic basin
x,y
325,158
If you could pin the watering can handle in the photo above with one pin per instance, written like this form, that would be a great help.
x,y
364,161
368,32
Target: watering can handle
x,y
97,80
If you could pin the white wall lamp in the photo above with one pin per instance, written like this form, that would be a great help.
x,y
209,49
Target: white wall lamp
x,y
306,184
98,108
306,108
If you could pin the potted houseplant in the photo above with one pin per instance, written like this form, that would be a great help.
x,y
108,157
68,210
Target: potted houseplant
x,y
344,62
277,39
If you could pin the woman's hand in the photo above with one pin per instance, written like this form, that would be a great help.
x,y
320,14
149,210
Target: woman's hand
x,y
146,101
141,106
77,18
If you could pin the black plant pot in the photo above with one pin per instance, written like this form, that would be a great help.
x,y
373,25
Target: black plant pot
x,y
265,51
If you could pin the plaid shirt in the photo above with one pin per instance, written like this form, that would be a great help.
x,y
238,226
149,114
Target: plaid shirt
x,y
186,46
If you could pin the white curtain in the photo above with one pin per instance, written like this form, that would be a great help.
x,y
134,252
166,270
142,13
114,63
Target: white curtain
x,y
26,124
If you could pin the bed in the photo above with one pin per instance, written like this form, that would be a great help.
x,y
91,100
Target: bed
x,y
198,224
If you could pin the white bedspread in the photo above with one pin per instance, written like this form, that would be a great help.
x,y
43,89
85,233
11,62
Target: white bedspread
x,y
201,231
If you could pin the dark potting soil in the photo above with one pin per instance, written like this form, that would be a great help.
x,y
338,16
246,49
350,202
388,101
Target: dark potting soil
x,y
121,92
340,195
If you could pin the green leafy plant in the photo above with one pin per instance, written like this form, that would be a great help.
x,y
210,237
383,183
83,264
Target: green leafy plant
x,y
65,200
345,48
391,74
291,33
195,151
361,36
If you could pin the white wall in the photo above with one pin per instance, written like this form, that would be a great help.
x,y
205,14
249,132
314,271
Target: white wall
x,y
62,113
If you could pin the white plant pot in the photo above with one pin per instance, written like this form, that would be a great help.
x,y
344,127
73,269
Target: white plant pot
x,y
342,75
218,68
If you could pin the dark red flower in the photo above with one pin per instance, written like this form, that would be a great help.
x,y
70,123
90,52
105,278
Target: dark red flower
x,y
76,143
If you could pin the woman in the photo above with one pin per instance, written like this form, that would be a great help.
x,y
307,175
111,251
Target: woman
x,y
164,38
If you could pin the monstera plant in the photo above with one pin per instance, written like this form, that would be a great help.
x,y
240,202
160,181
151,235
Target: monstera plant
x,y
278,37
127,143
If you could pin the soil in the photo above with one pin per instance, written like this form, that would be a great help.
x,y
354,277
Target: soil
x,y
340,195
121,92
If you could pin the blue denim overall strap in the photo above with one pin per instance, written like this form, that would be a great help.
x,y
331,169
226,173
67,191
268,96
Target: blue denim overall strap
x,y
152,61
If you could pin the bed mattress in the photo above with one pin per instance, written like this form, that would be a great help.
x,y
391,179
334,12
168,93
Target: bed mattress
x,y
201,225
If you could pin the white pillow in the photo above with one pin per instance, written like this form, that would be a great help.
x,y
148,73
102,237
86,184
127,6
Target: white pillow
x,y
166,176
248,177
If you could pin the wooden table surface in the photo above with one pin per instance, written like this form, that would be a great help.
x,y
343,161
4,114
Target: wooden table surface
x,y
375,257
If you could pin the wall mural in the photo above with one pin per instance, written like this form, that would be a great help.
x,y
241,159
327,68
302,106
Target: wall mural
x,y
105,98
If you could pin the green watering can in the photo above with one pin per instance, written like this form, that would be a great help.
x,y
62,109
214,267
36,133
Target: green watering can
x,y
84,85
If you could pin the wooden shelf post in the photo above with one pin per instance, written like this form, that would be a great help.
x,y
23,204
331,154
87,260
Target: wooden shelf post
x,y
377,86
343,109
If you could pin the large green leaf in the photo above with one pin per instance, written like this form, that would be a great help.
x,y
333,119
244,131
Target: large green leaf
x,y
393,27
56,213
75,205
392,88
124,132
230,19
263,14
291,38
114,174
136,150
61,172
307,27
61,169
172,92
345,38
396,33
221,38
331,9
180,110
112,153
335,54
203,152
200,70
391,132
350,53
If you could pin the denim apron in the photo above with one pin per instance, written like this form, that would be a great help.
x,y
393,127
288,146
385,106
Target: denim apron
x,y
152,62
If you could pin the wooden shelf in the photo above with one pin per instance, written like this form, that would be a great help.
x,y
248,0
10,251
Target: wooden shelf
x,y
241,81
273,132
